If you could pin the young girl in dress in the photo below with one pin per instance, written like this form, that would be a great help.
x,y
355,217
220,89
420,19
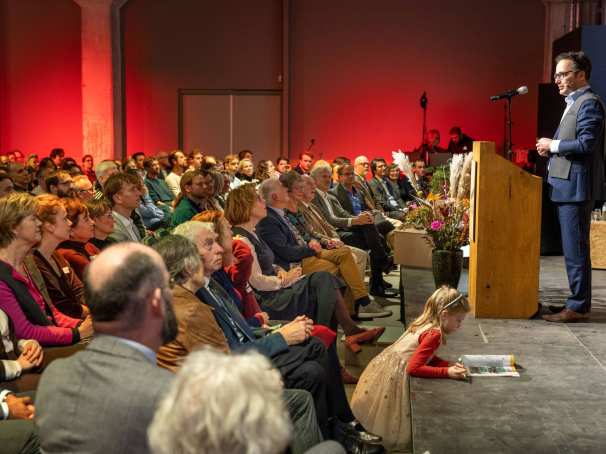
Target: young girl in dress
x,y
381,399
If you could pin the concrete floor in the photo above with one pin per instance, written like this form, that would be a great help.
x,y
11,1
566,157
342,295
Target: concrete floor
x,y
558,405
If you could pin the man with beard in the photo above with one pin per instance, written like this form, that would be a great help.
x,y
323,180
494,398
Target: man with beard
x,y
197,190
20,176
102,399
61,184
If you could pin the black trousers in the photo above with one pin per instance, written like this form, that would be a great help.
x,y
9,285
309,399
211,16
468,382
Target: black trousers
x,y
368,237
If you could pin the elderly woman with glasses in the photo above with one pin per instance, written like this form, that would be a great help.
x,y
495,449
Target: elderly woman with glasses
x,y
20,298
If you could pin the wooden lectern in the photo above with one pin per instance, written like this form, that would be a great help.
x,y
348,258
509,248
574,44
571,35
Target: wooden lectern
x,y
504,236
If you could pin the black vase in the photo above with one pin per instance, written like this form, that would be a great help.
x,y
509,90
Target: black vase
x,y
446,267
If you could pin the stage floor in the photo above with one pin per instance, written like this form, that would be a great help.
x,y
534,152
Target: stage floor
x,y
558,405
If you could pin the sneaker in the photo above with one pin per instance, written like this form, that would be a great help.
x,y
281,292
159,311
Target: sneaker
x,y
373,310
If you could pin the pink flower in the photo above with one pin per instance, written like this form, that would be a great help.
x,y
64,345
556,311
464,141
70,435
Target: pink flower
x,y
436,225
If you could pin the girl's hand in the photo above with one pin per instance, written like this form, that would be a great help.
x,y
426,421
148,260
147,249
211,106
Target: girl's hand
x,y
457,372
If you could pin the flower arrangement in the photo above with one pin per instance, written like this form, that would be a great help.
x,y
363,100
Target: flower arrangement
x,y
445,221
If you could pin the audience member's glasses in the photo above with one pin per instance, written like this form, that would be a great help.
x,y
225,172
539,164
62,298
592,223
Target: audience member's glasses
x,y
558,76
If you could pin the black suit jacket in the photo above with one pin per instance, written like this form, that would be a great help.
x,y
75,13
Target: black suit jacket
x,y
273,230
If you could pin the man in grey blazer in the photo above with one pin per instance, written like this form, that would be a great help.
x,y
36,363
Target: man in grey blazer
x,y
102,399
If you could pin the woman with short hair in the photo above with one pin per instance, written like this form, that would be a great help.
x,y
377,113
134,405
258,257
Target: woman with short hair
x,y
77,250
65,289
100,211
20,298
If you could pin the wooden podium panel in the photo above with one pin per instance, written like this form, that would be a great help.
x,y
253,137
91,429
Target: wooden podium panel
x,y
505,237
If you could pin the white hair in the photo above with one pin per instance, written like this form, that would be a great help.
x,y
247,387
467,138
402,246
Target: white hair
x,y
267,188
360,159
218,403
316,171
191,229
104,166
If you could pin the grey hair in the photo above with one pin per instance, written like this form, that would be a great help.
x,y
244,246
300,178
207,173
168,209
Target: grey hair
x,y
191,229
222,403
180,256
267,188
316,171
104,166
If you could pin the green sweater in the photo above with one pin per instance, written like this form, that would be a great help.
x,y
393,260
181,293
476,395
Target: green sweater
x,y
185,210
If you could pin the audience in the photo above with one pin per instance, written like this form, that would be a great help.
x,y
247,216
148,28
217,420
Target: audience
x,y
282,165
123,191
6,184
157,187
104,170
304,165
383,198
20,298
60,183
246,171
83,188
265,170
102,399
100,211
197,194
88,166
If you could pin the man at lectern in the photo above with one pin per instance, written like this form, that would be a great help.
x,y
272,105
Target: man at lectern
x,y
576,177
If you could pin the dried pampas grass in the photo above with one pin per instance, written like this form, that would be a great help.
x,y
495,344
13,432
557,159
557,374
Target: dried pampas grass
x,y
464,188
403,163
456,167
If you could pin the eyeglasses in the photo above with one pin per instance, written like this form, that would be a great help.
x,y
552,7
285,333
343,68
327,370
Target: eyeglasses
x,y
561,75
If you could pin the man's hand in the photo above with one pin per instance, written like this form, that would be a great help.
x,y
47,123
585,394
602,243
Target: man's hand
x,y
363,219
86,328
315,245
334,243
543,146
297,331
20,407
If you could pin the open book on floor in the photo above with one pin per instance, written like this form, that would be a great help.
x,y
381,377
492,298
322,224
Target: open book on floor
x,y
490,365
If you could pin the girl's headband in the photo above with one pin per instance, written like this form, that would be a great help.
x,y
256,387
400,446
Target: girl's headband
x,y
454,301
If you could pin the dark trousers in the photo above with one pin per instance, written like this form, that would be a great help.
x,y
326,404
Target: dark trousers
x,y
574,223
367,237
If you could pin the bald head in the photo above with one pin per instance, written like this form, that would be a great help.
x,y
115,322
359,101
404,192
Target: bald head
x,y
121,279
361,166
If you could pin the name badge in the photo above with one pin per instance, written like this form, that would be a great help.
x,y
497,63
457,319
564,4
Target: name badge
x,y
66,270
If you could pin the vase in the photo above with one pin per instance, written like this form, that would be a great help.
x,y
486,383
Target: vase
x,y
446,267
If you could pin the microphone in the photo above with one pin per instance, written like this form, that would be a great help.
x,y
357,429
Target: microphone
x,y
423,100
510,93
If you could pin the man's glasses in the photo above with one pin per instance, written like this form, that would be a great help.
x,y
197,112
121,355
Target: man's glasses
x,y
558,76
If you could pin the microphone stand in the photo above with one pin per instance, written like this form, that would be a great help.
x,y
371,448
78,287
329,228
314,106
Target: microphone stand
x,y
423,102
507,132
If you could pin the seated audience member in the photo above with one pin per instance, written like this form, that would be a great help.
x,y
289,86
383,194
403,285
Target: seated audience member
x,y
6,184
123,191
103,398
22,179
67,163
398,184
303,167
32,163
139,159
335,164
17,432
194,159
237,403
245,154
57,155
153,216
391,206
303,361
83,188
162,158
286,294
32,317
246,171
289,246
359,231
459,142
77,250
104,170
64,287
100,211
131,165
197,190
282,166
230,166
210,163
265,170
418,170
158,190
17,357
178,165
88,166
45,168
61,184
197,327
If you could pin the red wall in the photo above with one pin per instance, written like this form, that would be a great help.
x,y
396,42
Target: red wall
x,y
191,44
360,67
40,97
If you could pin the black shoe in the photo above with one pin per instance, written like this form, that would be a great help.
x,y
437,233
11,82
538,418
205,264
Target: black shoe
x,y
389,266
556,309
384,292
386,284
354,430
